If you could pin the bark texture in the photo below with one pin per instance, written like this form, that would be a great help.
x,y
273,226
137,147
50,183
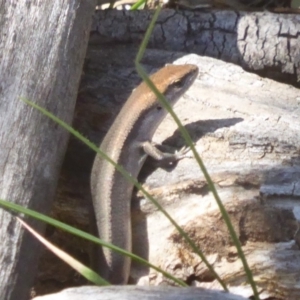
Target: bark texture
x,y
42,44
263,42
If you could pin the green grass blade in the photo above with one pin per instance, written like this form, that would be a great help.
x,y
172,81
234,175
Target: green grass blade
x,y
145,41
189,142
119,168
147,80
38,216
86,272
138,4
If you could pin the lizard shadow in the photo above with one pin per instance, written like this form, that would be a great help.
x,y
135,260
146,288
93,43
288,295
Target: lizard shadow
x,y
140,210
176,142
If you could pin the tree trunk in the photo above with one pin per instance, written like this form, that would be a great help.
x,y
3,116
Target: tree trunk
x,y
42,44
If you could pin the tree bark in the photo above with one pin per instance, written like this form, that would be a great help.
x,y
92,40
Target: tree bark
x,y
262,42
42,44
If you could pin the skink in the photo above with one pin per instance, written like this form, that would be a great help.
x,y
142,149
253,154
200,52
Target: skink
x,y
128,142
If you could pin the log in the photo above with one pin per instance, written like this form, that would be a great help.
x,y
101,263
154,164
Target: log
x,y
135,293
42,51
247,131
262,42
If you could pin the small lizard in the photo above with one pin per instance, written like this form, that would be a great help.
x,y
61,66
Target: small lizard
x,y
128,142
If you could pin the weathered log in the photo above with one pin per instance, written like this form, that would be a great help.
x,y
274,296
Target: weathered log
x,y
43,44
249,140
247,131
137,292
262,42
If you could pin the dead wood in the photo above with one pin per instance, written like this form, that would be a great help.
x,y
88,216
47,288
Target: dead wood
x,y
261,42
42,50
246,129
137,292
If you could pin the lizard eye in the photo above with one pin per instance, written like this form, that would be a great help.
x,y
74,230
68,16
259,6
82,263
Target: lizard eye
x,y
158,107
178,84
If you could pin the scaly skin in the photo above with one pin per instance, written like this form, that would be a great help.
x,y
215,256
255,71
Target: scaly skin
x,y
126,143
